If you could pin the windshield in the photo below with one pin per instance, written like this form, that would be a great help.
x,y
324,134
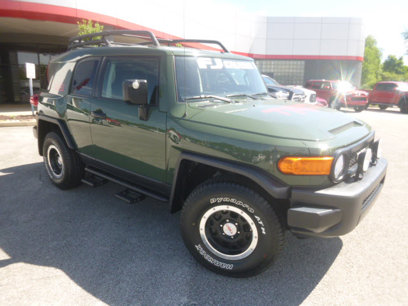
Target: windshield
x,y
206,76
269,81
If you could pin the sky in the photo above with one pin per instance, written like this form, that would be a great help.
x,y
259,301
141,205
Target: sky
x,y
385,20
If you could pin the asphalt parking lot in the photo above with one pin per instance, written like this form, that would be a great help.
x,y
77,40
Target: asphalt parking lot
x,y
84,246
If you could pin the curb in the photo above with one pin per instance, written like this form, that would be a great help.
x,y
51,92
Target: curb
x,y
11,123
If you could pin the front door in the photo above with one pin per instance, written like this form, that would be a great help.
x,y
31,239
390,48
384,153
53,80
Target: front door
x,y
119,137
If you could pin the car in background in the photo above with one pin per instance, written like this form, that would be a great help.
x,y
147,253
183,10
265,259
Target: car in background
x,y
339,94
389,94
311,97
279,91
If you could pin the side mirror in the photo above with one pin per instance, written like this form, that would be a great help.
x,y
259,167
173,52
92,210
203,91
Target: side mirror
x,y
135,92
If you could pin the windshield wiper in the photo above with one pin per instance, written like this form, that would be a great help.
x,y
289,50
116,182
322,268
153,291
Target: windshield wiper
x,y
207,97
241,95
260,94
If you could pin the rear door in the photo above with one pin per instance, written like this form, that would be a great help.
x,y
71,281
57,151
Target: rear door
x,y
81,93
384,93
119,137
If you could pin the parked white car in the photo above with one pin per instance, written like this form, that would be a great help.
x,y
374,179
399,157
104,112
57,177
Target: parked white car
x,y
310,94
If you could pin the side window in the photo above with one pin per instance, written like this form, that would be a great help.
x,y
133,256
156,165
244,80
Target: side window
x,y
84,77
325,85
117,70
316,85
391,87
379,86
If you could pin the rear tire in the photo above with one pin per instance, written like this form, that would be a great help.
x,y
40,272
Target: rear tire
x,y
231,229
403,105
63,166
359,109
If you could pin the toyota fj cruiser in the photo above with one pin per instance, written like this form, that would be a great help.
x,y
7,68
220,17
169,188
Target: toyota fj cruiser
x,y
197,129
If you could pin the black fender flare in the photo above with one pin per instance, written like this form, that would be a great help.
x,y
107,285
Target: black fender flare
x,y
262,178
61,124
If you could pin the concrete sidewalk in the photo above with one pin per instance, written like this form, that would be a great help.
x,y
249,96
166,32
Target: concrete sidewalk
x,y
16,115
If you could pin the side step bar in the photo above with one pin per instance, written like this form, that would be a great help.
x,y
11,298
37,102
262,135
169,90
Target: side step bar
x,y
127,185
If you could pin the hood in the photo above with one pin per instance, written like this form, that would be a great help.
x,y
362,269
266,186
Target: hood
x,y
285,89
357,92
279,119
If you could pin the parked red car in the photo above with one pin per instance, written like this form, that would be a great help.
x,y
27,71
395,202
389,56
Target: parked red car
x,y
389,94
339,94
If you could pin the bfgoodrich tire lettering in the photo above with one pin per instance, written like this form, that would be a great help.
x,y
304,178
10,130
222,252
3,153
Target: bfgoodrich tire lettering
x,y
63,165
231,229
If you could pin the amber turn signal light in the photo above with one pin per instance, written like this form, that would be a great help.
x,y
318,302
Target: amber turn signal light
x,y
306,165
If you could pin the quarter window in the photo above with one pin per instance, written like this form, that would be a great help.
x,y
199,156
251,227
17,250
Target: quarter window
x,y
84,77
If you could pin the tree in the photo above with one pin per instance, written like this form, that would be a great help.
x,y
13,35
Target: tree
x,y
371,72
89,27
394,69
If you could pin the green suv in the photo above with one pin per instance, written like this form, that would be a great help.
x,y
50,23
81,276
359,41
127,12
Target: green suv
x,y
192,125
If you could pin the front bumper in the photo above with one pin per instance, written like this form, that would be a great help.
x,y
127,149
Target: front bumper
x,y
336,210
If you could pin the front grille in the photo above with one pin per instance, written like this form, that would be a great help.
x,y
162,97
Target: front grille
x,y
354,164
358,98
298,98
353,160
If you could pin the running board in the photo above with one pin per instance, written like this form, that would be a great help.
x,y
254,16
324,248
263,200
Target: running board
x,y
127,185
130,196
94,181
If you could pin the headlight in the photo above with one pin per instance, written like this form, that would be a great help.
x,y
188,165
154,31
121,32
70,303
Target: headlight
x,y
282,94
338,168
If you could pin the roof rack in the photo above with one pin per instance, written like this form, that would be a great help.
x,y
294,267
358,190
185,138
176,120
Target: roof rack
x,y
103,39
84,40
202,41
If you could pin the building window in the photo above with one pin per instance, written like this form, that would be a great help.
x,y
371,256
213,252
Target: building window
x,y
286,72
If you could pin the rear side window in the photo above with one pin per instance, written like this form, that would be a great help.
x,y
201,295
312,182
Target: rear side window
x,y
60,76
84,77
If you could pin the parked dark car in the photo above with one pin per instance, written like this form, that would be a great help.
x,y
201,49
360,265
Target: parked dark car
x,y
279,91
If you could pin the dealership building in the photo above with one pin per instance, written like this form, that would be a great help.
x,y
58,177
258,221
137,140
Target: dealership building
x,y
291,49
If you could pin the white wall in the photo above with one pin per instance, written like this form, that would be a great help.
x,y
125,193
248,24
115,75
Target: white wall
x,y
237,30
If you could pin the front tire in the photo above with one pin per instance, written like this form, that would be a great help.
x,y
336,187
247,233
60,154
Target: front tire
x,y
63,166
231,229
